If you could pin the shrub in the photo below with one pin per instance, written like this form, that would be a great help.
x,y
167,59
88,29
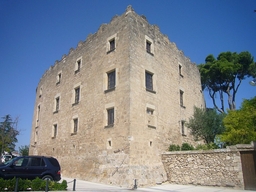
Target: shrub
x,y
63,185
24,184
201,147
54,186
174,147
3,184
186,147
11,184
36,185
207,146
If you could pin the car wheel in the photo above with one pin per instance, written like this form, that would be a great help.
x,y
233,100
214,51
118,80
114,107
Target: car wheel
x,y
47,177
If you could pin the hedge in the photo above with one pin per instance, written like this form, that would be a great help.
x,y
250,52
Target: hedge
x,y
35,185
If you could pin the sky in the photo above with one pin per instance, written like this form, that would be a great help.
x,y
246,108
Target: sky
x,y
36,33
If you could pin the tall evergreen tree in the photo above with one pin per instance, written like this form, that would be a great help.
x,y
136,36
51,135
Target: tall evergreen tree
x,y
223,76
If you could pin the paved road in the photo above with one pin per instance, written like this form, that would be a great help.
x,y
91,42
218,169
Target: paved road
x,y
96,187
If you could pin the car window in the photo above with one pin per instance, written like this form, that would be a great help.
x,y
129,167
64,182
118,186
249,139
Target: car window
x,y
21,162
37,161
54,162
43,162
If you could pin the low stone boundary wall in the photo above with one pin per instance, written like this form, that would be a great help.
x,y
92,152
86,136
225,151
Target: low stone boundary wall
x,y
220,167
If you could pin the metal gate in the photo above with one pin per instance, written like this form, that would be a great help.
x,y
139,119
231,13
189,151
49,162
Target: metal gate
x,y
248,159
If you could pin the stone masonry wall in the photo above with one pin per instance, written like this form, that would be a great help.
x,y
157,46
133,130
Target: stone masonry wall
x,y
145,122
220,167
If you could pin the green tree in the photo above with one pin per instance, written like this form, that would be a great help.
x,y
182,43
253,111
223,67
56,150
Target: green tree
x,y
223,76
24,150
206,124
8,133
241,124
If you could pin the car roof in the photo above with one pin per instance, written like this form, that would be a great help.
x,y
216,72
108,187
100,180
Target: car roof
x,y
37,156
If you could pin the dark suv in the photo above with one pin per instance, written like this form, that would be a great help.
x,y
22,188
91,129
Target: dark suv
x,y
30,167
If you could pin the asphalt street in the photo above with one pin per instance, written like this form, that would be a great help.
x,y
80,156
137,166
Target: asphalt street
x,y
81,185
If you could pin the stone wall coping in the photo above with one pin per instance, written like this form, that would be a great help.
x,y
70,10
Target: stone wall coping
x,y
233,148
252,145
200,151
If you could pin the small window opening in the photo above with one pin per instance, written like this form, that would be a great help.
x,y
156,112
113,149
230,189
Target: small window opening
x,y
109,143
150,111
75,121
55,129
181,98
111,80
112,45
58,79
180,70
110,117
57,104
183,128
148,46
40,92
77,95
149,81
78,66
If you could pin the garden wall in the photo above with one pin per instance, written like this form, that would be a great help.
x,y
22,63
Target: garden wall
x,y
220,167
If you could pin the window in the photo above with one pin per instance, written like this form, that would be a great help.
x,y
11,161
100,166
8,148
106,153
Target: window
x,y
111,80
21,162
150,111
55,130
58,79
112,45
38,114
36,161
40,92
149,81
77,95
75,125
109,144
151,119
36,136
180,70
183,128
110,113
181,98
78,65
148,46
57,105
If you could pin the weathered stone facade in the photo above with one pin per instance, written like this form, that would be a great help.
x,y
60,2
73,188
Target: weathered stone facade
x,y
111,106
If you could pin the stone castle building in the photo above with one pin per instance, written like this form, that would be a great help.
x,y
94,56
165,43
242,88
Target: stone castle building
x,y
111,106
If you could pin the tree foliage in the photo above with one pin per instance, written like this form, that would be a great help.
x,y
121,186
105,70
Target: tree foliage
x,y
206,124
8,133
241,124
223,76
24,150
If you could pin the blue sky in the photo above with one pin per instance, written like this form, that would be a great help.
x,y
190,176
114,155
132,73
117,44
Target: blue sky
x,y
36,33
